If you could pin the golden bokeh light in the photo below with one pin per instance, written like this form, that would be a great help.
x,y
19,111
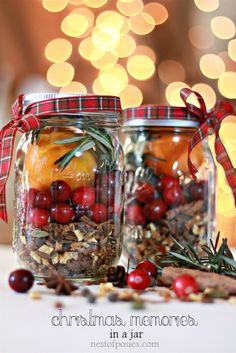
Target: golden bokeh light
x,y
54,5
110,21
125,47
230,65
157,11
130,8
232,49
88,14
147,51
114,80
142,24
226,84
74,87
212,66
60,74
98,89
88,51
223,27
76,2
58,50
206,92
105,40
207,5
228,130
74,25
107,61
201,37
171,70
95,3
173,93
225,204
140,67
131,96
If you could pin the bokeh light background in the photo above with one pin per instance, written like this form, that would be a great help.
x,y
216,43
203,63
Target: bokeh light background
x,y
143,51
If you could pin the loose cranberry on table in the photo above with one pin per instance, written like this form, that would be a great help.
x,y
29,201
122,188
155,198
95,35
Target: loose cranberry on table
x,y
173,196
99,213
60,191
43,199
144,192
38,217
184,285
138,280
147,266
62,213
21,280
155,210
166,181
135,215
84,196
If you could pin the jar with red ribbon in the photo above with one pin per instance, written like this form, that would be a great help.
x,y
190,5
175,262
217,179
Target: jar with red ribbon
x,y
69,177
170,185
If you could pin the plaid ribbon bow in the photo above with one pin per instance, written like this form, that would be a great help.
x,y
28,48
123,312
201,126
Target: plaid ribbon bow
x,y
31,118
210,121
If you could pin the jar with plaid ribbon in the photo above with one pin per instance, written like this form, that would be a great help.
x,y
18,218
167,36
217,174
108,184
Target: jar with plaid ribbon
x,y
69,181
170,186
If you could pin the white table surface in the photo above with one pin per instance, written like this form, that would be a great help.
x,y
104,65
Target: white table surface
x,y
26,327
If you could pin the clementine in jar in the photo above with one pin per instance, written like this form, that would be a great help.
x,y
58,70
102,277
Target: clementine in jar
x,y
41,156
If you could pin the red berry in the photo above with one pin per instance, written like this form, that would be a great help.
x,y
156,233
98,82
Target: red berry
x,y
155,209
197,190
99,213
62,213
21,280
135,214
84,196
38,217
184,285
43,199
149,267
31,197
138,279
166,181
144,192
60,191
173,196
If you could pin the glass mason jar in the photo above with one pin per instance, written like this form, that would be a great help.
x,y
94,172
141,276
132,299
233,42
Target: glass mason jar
x,y
163,201
69,181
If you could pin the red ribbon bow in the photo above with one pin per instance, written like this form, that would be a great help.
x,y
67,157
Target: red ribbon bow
x,y
211,121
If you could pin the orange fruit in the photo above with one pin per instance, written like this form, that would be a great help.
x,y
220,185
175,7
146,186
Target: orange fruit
x,y
173,150
40,158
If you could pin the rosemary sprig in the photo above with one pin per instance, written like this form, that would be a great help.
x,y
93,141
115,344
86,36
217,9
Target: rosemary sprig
x,y
212,259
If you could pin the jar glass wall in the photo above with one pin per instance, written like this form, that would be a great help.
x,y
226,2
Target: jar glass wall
x,y
69,181
163,201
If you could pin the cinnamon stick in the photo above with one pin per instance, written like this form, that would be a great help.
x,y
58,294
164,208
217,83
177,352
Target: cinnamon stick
x,y
204,279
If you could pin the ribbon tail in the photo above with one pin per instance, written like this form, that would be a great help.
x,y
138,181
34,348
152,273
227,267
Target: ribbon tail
x,y
7,137
224,160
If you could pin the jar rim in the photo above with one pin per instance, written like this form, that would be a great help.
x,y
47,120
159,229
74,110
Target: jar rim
x,y
159,115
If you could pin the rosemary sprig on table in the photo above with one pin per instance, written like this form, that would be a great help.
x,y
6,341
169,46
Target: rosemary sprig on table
x,y
212,259
92,138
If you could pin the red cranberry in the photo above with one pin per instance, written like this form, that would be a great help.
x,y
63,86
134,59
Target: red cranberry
x,y
144,192
155,209
184,285
62,213
135,214
149,267
43,199
166,181
38,217
138,280
84,196
31,195
197,190
99,213
60,191
21,280
173,196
